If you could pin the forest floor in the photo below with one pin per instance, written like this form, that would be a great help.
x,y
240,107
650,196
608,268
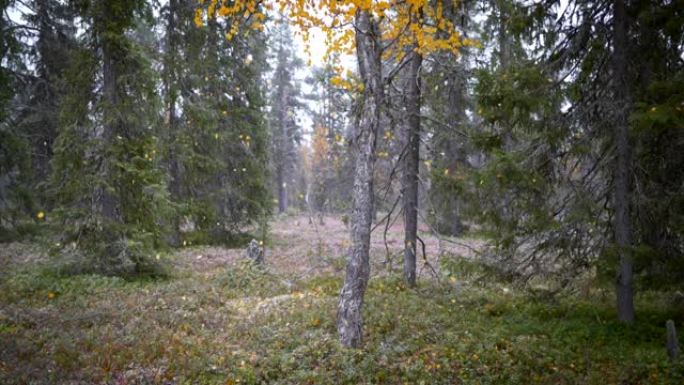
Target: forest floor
x,y
217,319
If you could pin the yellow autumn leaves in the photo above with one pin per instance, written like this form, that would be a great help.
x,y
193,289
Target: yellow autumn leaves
x,y
240,12
348,83
420,25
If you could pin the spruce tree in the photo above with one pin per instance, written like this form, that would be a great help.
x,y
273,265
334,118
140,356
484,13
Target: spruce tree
x,y
106,177
448,100
332,162
567,159
285,103
217,157
38,116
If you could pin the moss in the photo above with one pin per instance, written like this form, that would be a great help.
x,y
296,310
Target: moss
x,y
242,325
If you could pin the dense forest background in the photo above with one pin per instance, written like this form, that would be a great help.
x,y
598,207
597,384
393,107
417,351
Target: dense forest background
x,y
545,139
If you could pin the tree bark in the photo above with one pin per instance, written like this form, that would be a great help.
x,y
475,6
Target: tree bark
x,y
349,317
411,163
621,194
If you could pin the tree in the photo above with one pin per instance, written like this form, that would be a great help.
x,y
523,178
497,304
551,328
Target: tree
x,y
374,22
332,180
14,160
172,92
368,47
411,166
284,106
39,114
36,49
218,154
448,101
621,181
560,133
320,167
106,175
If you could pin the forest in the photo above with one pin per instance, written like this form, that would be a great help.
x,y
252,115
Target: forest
x,y
341,192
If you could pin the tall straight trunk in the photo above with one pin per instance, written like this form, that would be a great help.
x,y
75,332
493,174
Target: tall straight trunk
x,y
107,199
411,160
48,99
368,50
621,189
170,84
170,80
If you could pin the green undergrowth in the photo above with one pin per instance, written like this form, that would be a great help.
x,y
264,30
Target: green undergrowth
x,y
247,325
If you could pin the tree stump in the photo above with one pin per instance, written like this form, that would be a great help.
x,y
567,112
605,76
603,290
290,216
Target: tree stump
x,y
255,252
672,342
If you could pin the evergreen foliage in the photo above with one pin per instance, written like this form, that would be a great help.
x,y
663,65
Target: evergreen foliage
x,y
15,197
544,191
89,146
553,132
283,120
221,138
331,163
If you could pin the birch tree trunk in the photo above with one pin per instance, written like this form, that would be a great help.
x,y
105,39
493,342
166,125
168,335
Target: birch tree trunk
x,y
349,317
621,195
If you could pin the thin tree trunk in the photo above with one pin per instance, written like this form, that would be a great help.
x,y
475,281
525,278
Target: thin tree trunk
x,y
505,43
349,317
284,142
282,189
411,160
622,222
